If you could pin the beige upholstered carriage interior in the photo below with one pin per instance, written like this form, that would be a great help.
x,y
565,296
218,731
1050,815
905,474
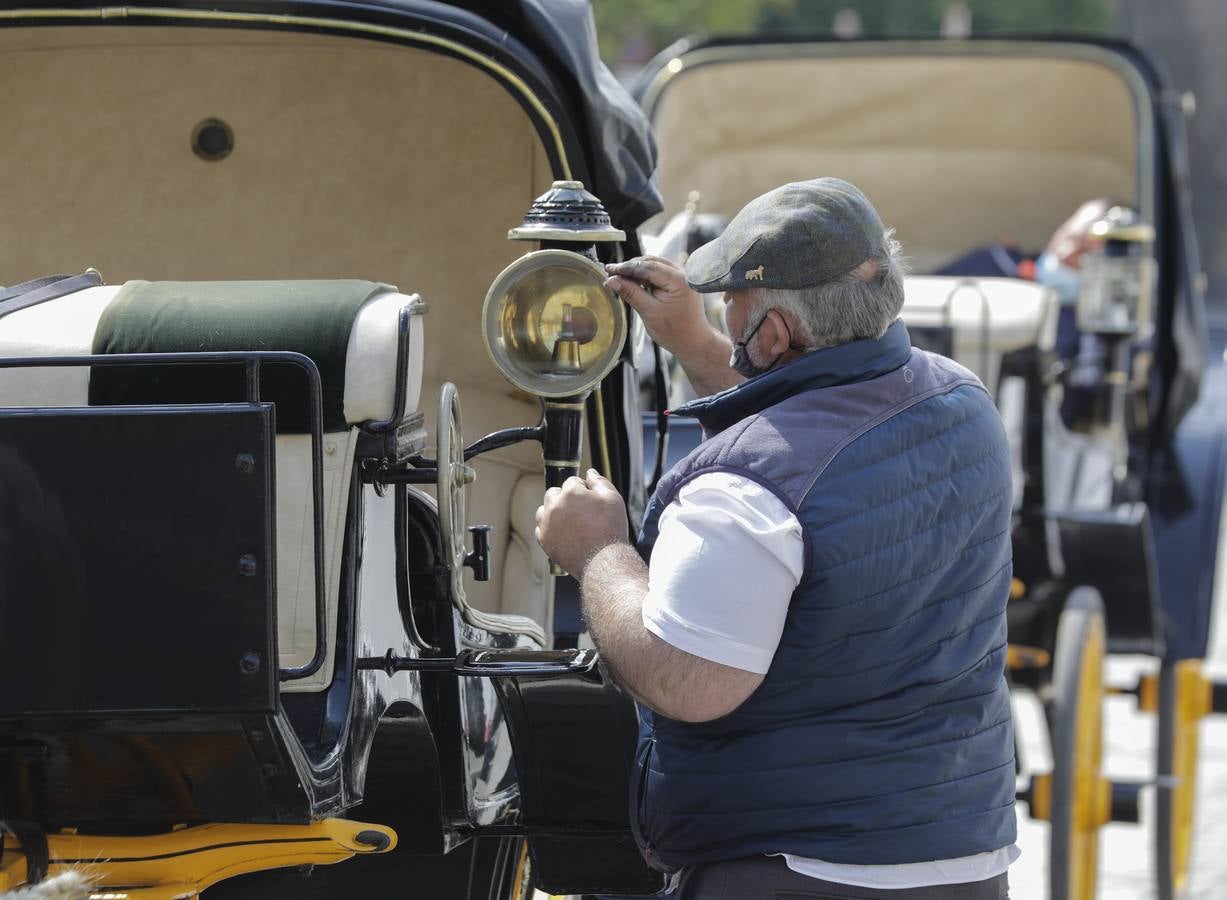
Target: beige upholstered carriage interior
x,y
352,159
955,149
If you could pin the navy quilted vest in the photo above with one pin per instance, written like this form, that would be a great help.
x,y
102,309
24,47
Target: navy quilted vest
x,y
882,733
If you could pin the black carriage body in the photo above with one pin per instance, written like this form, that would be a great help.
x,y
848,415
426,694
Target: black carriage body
x,y
1151,553
449,749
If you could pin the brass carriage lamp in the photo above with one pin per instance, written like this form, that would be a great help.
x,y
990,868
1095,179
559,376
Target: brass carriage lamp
x,y
550,325
1118,278
1114,314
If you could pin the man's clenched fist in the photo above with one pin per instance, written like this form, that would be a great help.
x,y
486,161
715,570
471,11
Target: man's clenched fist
x,y
580,519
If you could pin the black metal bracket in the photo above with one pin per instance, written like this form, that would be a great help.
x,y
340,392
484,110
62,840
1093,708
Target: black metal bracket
x,y
380,472
489,663
479,559
33,842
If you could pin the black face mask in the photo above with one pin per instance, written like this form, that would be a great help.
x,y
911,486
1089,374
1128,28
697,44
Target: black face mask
x,y
741,362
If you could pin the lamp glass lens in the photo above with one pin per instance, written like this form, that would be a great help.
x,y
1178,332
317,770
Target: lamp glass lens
x,y
552,326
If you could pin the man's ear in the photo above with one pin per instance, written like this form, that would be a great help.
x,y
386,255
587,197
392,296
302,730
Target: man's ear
x,y
776,337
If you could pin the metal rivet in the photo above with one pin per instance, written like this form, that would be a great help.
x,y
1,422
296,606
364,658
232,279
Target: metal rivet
x,y
249,662
908,375
245,463
247,565
330,449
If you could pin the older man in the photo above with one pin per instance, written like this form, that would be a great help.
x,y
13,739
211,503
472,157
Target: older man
x,y
814,619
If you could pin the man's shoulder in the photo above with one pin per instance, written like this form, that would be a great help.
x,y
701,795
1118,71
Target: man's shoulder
x,y
790,443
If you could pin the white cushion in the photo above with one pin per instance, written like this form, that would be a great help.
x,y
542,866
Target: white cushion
x,y
65,327
989,317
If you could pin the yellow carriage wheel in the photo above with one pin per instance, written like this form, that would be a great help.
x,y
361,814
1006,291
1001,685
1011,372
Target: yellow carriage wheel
x,y
1183,699
1079,798
522,877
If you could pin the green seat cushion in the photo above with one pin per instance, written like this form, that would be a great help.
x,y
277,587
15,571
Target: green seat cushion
x,y
313,318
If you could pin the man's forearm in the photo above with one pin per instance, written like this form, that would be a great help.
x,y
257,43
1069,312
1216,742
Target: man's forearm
x,y
614,584
707,364
658,675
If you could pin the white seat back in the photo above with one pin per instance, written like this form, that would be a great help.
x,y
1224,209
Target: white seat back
x,y
989,317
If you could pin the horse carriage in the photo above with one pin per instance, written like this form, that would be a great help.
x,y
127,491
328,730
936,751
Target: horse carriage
x,y
246,627
1118,454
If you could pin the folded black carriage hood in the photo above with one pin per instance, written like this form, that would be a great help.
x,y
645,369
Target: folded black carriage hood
x,y
551,44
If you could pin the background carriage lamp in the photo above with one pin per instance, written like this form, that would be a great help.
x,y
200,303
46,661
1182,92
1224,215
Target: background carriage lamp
x,y
1113,315
1118,278
550,325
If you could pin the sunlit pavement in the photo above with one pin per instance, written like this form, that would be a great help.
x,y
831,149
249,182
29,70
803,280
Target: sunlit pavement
x,y
1126,851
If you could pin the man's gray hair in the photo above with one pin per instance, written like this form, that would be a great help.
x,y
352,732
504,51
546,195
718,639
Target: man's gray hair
x,y
859,304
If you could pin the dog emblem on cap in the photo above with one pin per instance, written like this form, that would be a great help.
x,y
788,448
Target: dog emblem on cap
x,y
754,274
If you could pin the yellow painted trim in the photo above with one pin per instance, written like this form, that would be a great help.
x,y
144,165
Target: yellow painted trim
x,y
1041,797
519,882
1020,656
468,53
183,862
1148,693
1092,800
1194,696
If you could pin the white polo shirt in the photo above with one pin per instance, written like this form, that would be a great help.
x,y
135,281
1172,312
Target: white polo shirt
x,y
723,542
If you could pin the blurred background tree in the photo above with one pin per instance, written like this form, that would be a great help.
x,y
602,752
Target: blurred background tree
x,y
1186,35
632,31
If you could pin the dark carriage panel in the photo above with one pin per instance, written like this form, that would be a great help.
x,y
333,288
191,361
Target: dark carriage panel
x,y
574,739
139,540
1189,485
1113,551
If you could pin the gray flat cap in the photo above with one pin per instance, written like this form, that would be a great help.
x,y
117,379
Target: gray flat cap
x,y
796,236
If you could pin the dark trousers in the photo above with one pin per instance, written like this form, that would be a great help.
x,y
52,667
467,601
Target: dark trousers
x,y
769,878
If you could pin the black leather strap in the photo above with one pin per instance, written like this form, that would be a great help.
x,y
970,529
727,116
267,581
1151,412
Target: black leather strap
x,y
33,841
40,290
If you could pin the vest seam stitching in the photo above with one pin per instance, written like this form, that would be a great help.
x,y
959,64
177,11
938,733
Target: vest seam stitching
x,y
954,427
895,499
902,622
954,677
847,759
861,799
950,518
883,416
950,637
929,708
876,831
898,584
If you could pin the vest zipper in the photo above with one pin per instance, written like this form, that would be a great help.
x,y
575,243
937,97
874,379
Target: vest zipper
x,y
638,824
